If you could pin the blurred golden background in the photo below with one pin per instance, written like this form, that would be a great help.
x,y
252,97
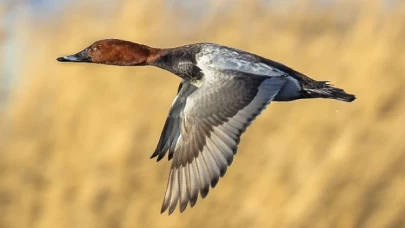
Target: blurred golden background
x,y
75,139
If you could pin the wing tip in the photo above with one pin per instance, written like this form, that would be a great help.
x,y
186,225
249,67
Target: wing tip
x,y
159,153
164,207
154,154
193,201
183,206
214,182
172,207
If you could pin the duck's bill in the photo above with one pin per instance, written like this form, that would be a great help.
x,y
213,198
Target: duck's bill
x,y
79,57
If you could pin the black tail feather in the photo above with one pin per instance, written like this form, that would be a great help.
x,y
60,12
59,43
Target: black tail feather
x,y
326,90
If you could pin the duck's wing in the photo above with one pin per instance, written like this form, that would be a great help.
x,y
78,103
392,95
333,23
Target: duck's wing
x,y
212,120
171,130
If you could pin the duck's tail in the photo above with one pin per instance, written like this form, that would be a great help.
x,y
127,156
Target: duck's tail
x,y
326,90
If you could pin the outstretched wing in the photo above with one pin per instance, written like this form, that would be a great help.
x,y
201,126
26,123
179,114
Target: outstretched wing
x,y
171,129
208,129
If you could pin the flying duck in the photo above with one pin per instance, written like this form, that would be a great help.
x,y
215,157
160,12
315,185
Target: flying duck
x,y
222,90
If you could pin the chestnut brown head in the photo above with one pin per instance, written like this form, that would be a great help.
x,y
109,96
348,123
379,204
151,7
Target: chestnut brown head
x,y
114,52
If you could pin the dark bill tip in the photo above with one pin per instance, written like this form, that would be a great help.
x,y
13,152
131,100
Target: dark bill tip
x,y
67,59
79,57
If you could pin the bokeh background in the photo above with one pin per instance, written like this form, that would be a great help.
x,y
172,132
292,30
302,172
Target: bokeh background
x,y
75,139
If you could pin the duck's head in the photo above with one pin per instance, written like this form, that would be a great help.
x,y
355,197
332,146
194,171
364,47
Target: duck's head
x,y
114,52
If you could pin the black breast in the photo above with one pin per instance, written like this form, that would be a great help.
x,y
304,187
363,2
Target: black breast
x,y
181,61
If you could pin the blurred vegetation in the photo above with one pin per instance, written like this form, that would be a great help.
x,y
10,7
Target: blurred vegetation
x,y
76,138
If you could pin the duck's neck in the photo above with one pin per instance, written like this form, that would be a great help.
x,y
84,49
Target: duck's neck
x,y
155,55
178,61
